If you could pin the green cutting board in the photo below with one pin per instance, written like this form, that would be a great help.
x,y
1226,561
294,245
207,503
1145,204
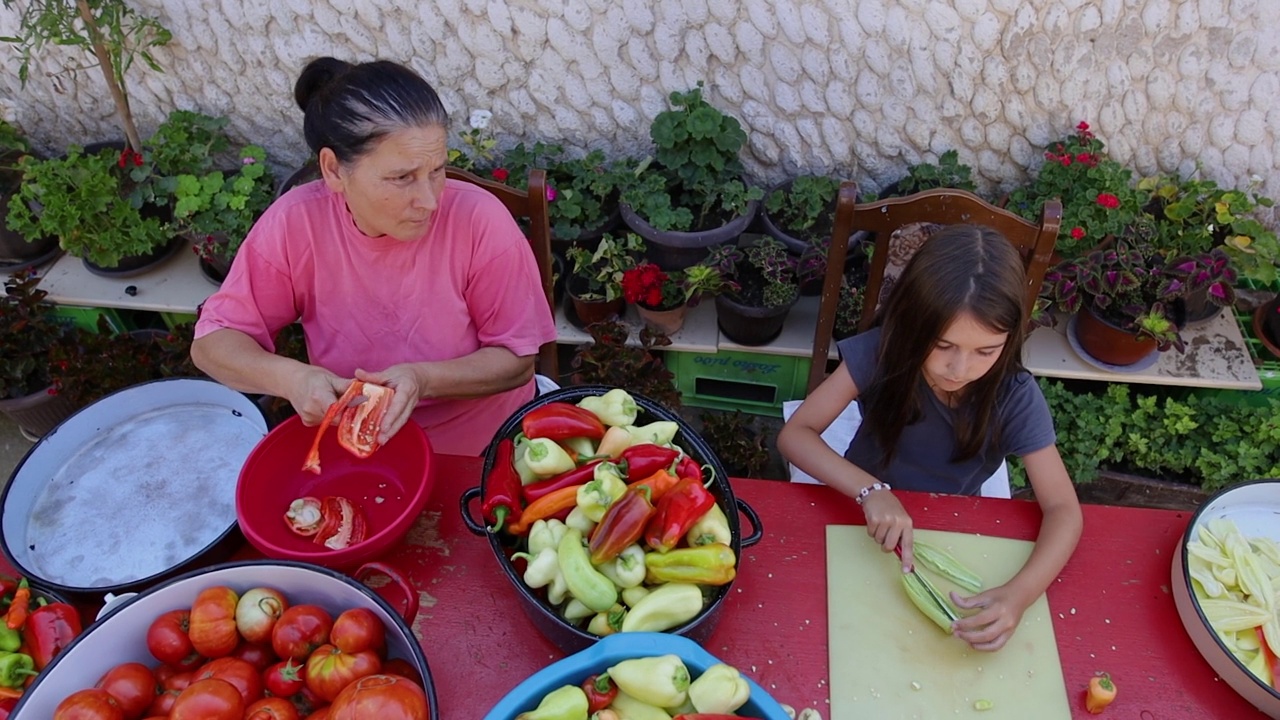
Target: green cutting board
x,y
889,662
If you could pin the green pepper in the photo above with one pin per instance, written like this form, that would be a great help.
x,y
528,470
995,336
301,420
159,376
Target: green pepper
x,y
540,569
632,595
606,486
719,689
658,433
614,408
11,640
712,564
545,458
608,622
545,534
628,569
665,607
521,462
661,681
712,527
565,703
631,708
574,611
579,521
583,447
584,582
14,669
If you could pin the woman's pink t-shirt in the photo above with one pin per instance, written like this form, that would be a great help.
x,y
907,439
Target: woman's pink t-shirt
x,y
470,282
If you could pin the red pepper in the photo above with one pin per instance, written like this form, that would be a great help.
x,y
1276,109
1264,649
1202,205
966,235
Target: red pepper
x,y
561,421
645,459
343,524
623,524
358,426
568,478
6,707
19,606
304,516
1269,655
689,468
677,511
502,488
600,691
659,483
49,629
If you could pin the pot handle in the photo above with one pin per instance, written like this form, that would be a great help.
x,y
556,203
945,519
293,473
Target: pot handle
x,y
757,530
410,611
467,498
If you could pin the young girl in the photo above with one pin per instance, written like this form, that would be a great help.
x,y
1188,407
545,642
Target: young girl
x,y
944,400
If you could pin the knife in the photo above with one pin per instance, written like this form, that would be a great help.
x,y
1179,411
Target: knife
x,y
934,595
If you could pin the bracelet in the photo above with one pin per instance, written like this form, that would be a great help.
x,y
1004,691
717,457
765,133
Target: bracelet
x,y
864,492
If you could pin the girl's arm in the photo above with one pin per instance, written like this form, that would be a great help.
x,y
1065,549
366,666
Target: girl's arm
x,y
1060,528
801,443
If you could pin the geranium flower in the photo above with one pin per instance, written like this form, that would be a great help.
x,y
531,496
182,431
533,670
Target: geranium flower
x,y
551,193
1108,201
500,174
1077,232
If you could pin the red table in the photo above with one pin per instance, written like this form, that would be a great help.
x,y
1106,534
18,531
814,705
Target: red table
x,y
1112,608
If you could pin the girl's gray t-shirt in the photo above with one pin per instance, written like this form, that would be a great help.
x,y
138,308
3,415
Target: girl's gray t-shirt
x,y
923,459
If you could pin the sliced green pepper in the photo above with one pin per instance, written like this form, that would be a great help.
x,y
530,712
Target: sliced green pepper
x,y
584,582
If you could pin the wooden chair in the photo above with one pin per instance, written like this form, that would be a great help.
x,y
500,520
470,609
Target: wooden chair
x,y
1034,241
529,208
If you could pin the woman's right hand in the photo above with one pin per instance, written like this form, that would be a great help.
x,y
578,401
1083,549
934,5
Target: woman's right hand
x,y
315,389
889,523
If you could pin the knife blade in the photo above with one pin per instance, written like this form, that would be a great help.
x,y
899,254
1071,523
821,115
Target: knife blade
x,y
934,595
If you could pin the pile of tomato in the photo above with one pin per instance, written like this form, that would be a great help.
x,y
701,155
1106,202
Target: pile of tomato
x,y
253,656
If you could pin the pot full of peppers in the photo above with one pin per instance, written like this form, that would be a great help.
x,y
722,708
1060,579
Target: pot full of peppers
x,y
607,521
33,630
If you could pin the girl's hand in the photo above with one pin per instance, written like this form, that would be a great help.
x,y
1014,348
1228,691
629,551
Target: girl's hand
x,y
314,390
404,380
889,523
999,612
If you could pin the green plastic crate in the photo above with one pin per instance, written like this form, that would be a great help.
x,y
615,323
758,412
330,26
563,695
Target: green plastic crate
x,y
173,320
87,317
735,380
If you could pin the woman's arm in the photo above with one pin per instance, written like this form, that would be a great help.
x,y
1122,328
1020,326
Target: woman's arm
x,y
1060,529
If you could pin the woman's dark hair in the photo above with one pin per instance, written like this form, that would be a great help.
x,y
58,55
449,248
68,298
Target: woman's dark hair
x,y
961,268
347,107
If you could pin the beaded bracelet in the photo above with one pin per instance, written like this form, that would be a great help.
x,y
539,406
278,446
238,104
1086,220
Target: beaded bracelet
x,y
864,492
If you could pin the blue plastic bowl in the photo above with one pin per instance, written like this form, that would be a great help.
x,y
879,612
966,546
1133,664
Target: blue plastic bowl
x,y
614,649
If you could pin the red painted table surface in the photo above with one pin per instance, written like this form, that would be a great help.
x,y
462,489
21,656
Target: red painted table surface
x,y
1112,609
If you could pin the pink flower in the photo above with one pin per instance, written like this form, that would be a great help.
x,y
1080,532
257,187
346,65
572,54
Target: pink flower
x,y
1077,232
551,194
247,161
500,174
1065,160
1108,201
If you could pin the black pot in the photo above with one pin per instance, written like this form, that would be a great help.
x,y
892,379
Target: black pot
x,y
589,238
309,171
134,265
570,638
1198,308
1266,326
16,252
747,324
672,250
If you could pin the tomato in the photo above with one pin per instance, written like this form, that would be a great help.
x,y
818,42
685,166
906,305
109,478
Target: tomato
x,y
133,686
300,630
213,622
239,673
208,699
329,670
91,704
273,708
359,629
167,638
163,704
285,678
260,657
403,668
321,714
385,697
257,612
179,681
164,672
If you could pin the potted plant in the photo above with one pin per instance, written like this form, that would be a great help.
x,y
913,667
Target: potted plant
x,y
800,211
1209,283
216,210
1099,199
661,298
694,198
761,287
848,309
15,252
948,173
1123,300
1266,326
594,285
29,331
609,359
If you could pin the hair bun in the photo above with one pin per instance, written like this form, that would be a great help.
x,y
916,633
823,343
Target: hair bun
x,y
315,77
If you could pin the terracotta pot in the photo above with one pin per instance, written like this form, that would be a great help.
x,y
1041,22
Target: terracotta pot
x,y
1109,344
587,311
1266,326
749,325
39,412
667,322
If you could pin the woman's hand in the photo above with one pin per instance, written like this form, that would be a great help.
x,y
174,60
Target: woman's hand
x,y
999,612
889,523
314,390
404,380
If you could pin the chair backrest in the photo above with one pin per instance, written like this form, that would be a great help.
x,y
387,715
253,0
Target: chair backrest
x,y
529,208
942,206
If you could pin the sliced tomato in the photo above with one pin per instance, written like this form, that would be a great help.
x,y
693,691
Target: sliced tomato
x,y
343,525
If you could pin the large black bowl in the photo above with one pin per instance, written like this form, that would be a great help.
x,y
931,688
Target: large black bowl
x,y
565,635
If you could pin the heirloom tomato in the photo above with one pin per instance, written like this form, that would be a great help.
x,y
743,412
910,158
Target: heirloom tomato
x,y
208,699
272,708
257,612
239,673
385,697
321,714
178,681
285,678
133,686
403,668
91,704
300,630
329,670
168,641
358,629
213,622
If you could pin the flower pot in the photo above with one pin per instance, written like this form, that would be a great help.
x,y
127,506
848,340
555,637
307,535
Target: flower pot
x,y
667,322
1266,326
747,324
1198,308
39,412
309,171
1110,344
582,312
16,252
589,238
134,265
673,250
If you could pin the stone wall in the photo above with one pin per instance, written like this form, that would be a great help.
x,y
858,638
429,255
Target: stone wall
x,y
855,88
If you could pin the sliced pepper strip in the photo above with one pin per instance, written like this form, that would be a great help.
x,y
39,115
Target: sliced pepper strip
x,y
354,439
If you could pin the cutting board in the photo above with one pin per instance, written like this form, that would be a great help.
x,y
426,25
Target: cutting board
x,y
880,644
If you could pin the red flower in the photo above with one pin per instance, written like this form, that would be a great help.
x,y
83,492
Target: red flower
x,y
1108,201
124,157
1077,232
643,284
501,174
1065,160
1083,126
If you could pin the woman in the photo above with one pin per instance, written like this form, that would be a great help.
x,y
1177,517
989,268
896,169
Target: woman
x,y
399,276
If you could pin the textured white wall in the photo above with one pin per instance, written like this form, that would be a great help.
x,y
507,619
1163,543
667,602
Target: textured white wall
x,y
856,88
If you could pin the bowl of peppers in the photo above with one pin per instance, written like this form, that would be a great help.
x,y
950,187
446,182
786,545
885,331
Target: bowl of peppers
x,y
35,625
609,514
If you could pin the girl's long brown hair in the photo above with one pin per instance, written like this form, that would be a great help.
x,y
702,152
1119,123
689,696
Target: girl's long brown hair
x,y
961,268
